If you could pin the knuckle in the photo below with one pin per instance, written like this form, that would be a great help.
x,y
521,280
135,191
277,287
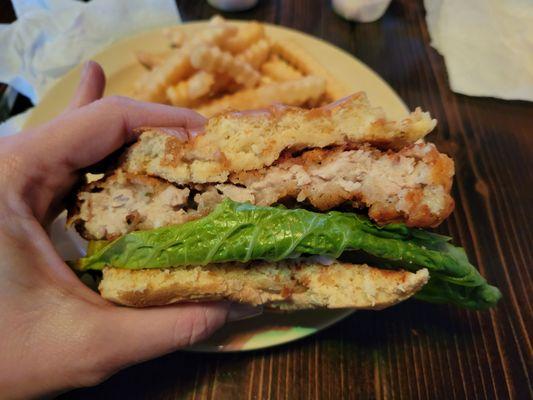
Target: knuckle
x,y
91,378
200,328
116,101
98,366
191,330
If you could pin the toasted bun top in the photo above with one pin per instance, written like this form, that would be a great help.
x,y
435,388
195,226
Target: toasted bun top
x,y
240,141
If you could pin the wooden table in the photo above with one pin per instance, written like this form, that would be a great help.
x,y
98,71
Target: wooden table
x,y
415,350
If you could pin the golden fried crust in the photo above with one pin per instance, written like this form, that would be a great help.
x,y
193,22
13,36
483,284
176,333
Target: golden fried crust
x,y
285,285
239,141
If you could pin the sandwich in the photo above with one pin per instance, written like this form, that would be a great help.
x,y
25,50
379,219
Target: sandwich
x,y
284,207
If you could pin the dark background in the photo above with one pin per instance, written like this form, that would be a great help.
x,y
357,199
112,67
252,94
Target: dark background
x,y
414,350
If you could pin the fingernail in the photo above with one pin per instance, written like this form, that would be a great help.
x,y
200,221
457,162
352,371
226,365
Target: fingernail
x,y
178,132
238,312
193,132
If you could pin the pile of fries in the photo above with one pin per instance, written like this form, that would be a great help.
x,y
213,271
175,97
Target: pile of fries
x,y
228,66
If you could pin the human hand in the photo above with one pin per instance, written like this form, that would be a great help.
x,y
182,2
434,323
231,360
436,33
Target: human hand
x,y
56,333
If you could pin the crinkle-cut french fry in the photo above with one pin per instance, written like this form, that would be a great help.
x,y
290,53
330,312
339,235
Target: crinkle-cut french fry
x,y
265,80
215,34
200,84
279,70
224,84
151,86
216,20
309,66
175,36
151,60
178,95
212,59
256,54
245,36
295,92
185,93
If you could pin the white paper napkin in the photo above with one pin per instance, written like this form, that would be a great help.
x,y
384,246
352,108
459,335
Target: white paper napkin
x,y
487,45
50,37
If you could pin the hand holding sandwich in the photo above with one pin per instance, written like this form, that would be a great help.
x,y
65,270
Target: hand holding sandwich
x,y
56,333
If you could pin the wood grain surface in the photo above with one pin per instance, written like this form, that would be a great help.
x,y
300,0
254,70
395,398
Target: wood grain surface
x,y
415,350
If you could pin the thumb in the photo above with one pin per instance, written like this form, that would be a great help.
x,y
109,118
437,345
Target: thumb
x,y
91,86
128,336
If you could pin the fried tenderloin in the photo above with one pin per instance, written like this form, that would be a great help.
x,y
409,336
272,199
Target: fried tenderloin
x,y
411,185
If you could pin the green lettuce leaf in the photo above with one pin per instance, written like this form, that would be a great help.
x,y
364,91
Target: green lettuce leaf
x,y
244,232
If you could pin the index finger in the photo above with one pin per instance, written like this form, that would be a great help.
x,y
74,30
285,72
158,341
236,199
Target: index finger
x,y
85,136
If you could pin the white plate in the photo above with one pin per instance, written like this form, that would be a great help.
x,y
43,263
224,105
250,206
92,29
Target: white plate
x,y
118,60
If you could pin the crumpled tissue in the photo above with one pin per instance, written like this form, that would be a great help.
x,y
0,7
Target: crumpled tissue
x,y
50,37
487,45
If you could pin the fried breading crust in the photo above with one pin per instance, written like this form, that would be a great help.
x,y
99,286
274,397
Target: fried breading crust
x,y
284,285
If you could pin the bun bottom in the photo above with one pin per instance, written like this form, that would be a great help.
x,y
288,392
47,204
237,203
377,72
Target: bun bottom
x,y
287,285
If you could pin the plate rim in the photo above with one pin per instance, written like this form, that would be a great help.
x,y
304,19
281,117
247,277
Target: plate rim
x,y
199,348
